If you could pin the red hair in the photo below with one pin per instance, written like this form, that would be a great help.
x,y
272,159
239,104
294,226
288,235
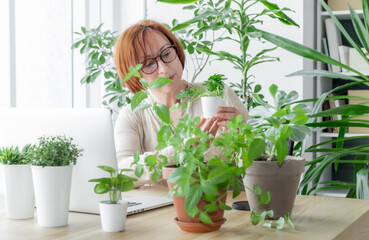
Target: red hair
x,y
131,44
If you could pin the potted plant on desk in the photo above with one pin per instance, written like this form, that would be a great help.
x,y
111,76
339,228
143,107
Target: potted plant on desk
x,y
204,166
211,95
18,186
274,170
53,159
113,212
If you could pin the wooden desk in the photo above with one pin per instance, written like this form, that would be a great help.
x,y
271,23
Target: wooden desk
x,y
318,218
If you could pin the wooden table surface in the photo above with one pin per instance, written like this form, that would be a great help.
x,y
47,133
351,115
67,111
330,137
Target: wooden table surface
x,y
318,218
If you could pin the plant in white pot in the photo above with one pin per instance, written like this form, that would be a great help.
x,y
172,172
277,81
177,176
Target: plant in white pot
x,y
113,212
17,180
273,126
211,95
52,164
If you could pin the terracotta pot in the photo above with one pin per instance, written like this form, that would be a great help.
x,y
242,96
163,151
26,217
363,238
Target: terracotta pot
x,y
281,180
185,222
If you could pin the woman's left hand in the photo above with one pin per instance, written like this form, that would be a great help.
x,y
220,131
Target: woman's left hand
x,y
224,114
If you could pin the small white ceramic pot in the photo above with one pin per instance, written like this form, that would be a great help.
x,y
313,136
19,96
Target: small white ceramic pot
x,y
113,216
210,106
52,192
18,191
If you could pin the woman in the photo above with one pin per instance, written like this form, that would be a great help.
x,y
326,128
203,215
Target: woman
x,y
153,45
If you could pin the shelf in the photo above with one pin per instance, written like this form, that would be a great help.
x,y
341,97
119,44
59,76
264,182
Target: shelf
x,y
341,15
333,135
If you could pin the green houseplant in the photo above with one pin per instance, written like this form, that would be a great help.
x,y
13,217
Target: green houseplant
x,y
113,212
53,159
232,21
312,183
17,179
211,95
203,167
275,170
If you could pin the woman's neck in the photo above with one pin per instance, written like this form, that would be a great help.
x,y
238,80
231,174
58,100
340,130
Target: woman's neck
x,y
168,98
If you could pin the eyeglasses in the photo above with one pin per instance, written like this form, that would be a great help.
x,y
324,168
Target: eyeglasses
x,y
167,56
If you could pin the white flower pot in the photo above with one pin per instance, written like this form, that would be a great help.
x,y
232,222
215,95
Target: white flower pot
x,y
113,216
210,106
18,191
52,192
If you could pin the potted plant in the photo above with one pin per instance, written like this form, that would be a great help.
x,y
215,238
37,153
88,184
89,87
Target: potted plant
x,y
202,168
275,170
52,164
17,179
113,212
211,95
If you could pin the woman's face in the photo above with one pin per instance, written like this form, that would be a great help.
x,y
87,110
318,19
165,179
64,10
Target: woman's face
x,y
157,45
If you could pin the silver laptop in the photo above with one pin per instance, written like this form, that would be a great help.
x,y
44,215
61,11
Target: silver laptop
x,y
91,129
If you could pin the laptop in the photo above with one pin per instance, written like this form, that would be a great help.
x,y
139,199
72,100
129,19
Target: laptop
x,y
92,130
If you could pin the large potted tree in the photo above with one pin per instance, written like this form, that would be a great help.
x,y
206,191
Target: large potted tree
x,y
17,179
52,164
113,212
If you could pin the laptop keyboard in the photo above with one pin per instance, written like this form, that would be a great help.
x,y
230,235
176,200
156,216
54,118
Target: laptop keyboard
x,y
131,204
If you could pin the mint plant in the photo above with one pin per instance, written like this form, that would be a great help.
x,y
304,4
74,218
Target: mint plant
x,y
115,184
55,151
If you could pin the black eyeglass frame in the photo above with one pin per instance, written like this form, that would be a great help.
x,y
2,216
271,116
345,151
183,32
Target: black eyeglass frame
x,y
161,58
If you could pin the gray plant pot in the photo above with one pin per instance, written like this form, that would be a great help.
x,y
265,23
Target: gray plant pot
x,y
281,180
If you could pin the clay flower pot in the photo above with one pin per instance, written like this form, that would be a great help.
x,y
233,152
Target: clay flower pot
x,y
185,222
281,180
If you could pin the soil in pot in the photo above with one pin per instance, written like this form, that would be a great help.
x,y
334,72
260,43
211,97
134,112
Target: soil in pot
x,y
185,222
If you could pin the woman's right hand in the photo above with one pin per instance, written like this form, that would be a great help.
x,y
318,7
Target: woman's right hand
x,y
210,126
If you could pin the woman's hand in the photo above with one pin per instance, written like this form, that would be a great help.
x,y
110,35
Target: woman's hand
x,y
211,126
224,114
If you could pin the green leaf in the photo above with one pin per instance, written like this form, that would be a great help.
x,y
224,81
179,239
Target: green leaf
x,y
138,98
127,186
150,161
107,169
256,149
209,188
282,150
273,90
279,223
224,206
101,189
163,112
254,218
256,190
193,197
264,198
204,217
139,170
159,82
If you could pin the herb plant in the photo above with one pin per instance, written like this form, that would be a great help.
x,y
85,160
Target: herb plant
x,y
214,86
13,156
115,184
55,151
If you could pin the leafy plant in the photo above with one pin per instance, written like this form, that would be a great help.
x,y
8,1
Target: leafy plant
x,y
205,166
99,45
214,86
115,184
312,183
233,21
274,124
13,156
55,151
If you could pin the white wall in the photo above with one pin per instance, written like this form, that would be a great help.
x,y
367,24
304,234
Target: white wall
x,y
266,73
